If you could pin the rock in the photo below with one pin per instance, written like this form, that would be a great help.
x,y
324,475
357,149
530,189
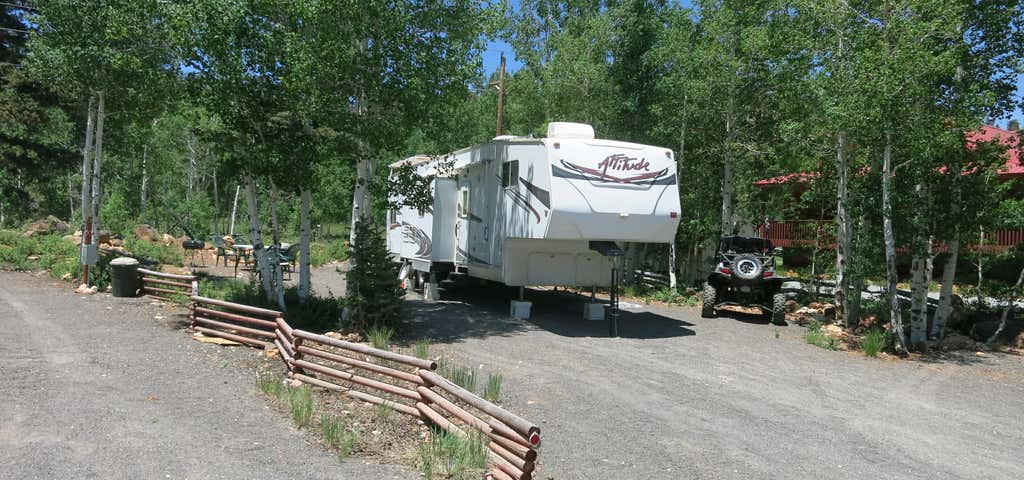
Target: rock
x,y
76,240
146,232
104,236
791,306
334,335
28,233
169,239
116,242
78,233
829,311
1019,341
32,257
58,225
181,240
956,341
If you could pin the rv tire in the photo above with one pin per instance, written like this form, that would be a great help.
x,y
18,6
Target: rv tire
x,y
709,297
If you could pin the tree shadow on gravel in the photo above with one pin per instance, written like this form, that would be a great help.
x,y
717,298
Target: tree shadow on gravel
x,y
468,312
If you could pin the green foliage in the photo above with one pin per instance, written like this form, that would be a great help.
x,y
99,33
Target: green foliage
x,y
386,415
815,336
317,314
60,257
453,457
155,252
493,390
380,337
323,253
875,341
374,292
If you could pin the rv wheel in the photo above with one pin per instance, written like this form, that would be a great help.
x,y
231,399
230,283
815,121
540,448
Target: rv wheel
x,y
710,298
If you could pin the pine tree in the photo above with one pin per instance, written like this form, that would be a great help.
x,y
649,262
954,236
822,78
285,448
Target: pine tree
x,y
375,294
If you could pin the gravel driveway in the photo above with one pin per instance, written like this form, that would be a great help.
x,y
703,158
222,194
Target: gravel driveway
x,y
678,396
98,387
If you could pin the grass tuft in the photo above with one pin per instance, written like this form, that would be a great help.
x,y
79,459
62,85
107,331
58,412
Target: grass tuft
x,y
336,435
452,456
493,389
300,403
423,348
874,342
815,336
380,337
462,376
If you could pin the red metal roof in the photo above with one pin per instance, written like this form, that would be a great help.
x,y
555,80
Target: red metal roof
x,y
987,133
1006,137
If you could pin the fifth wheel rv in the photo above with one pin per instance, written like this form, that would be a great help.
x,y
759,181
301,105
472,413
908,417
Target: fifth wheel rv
x,y
537,211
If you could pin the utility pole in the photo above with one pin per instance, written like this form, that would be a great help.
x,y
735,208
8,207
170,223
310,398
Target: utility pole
x,y
501,94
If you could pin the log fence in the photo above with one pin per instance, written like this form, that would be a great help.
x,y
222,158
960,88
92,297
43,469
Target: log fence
x,y
161,286
407,384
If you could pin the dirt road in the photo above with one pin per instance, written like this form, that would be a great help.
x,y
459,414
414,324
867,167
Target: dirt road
x,y
678,396
98,387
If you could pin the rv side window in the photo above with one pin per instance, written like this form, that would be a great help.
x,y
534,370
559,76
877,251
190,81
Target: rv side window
x,y
510,174
464,202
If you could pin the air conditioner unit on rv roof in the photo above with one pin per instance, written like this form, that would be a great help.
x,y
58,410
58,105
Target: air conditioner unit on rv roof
x,y
570,130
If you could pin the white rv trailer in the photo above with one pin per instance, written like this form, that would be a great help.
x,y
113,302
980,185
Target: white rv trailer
x,y
535,211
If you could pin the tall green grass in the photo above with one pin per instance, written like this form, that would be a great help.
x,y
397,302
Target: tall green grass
x,y
453,457
874,342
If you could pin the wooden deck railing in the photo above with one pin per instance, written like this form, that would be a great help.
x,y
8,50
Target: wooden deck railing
x,y
804,233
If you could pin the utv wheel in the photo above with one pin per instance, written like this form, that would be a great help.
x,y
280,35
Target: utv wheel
x,y
710,298
779,309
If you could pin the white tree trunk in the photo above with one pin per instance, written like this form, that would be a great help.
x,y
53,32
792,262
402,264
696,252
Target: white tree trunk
x,y
97,177
895,315
144,185
304,244
728,187
1010,305
234,210
360,195
266,280
87,190
87,172
945,308
919,300
275,249
672,265
843,231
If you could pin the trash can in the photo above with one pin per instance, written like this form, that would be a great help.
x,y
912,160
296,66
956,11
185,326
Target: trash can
x,y
124,277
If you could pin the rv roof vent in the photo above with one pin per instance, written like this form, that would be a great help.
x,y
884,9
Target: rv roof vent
x,y
504,137
570,130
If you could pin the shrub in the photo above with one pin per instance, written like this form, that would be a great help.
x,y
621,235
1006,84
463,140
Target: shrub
x,y
155,252
874,342
374,292
322,253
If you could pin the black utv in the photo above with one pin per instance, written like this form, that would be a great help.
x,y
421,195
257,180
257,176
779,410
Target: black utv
x,y
744,275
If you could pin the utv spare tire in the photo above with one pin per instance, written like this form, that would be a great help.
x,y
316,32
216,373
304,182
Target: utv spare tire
x,y
709,297
779,309
747,268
